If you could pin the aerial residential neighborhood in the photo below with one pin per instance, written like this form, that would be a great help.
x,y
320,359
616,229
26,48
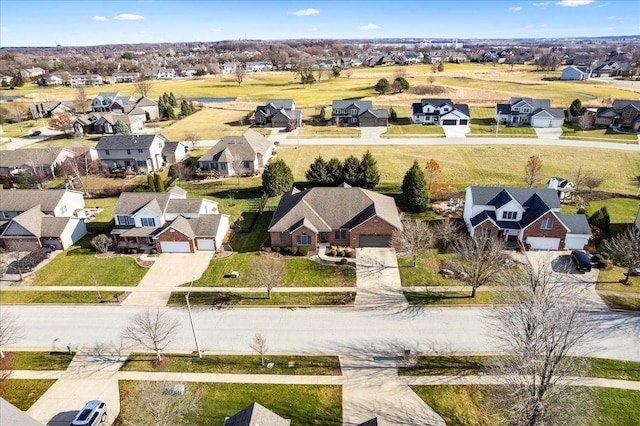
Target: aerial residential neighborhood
x,y
281,213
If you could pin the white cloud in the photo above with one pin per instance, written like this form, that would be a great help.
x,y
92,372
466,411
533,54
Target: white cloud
x,y
542,3
100,18
515,9
369,27
574,3
304,12
128,17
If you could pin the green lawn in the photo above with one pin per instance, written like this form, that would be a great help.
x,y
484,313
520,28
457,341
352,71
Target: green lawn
x,y
313,131
425,273
470,405
244,242
41,360
418,130
35,296
611,280
238,364
622,211
620,302
570,131
23,393
303,404
301,272
260,299
78,265
421,298
482,126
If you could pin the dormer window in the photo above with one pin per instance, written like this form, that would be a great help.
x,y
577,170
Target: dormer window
x,y
509,215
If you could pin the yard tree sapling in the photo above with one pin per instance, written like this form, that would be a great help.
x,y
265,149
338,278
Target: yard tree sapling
x,y
625,251
414,189
479,259
101,243
151,329
239,74
447,231
259,345
269,273
10,330
154,403
415,237
237,165
533,170
592,182
193,138
143,86
277,178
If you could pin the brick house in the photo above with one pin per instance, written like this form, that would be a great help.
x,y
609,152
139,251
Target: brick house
x,y
358,114
251,152
278,113
624,114
524,216
311,218
169,222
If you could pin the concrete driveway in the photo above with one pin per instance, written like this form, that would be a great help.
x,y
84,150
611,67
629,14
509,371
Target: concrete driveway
x,y
548,132
456,131
378,279
168,270
371,133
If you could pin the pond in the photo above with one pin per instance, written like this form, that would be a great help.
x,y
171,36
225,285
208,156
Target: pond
x,y
211,100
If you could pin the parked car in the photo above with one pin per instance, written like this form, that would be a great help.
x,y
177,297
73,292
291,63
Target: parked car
x,y
581,260
93,413
290,128
36,133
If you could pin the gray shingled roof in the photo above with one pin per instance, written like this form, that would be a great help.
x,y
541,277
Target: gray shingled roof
x,y
12,415
20,200
333,208
130,202
577,223
171,146
245,146
30,156
280,103
362,105
256,415
190,205
128,141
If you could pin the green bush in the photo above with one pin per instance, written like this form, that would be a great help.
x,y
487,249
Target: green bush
x,y
340,253
134,251
276,249
303,251
343,261
294,251
153,251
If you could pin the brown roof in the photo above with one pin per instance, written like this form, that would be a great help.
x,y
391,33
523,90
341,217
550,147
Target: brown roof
x,y
29,156
245,147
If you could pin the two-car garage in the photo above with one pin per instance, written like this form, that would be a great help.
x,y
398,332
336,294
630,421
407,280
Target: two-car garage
x,y
175,246
375,241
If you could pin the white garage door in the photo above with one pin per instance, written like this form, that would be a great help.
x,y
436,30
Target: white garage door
x,y
575,243
541,122
175,247
540,243
206,245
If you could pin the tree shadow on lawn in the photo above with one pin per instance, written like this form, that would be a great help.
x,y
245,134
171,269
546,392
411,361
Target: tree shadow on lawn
x,y
427,298
224,299
239,194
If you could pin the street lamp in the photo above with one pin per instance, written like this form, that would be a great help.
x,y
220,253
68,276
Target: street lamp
x,y
193,329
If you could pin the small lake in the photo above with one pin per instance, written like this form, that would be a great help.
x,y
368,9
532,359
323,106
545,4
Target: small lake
x,y
9,98
211,100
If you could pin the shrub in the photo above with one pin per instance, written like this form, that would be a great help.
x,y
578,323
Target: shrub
x,y
332,252
340,253
134,251
343,261
276,249
294,251
348,254
581,210
153,251
303,251
286,250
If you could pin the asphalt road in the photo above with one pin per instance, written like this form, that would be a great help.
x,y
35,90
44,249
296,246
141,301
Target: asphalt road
x,y
614,335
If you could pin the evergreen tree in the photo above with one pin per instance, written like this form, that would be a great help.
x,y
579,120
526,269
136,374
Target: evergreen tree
x,y
277,178
403,83
121,128
414,189
165,99
393,115
185,110
159,183
150,183
323,114
350,170
334,172
172,100
601,220
335,71
368,174
575,107
317,173
382,86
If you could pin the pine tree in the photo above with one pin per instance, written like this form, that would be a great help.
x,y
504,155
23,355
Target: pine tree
x,y
368,174
334,172
317,173
185,110
151,183
121,128
382,86
172,100
159,183
323,114
277,178
414,189
350,170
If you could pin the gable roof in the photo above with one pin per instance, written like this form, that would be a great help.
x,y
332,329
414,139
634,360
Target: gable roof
x,y
37,224
361,105
128,141
131,202
619,104
245,146
12,415
316,209
482,195
281,103
31,156
23,199
172,146
256,415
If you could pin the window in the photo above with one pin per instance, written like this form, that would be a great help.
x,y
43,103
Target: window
x,y
283,237
106,151
125,220
140,151
354,119
341,234
509,215
354,111
304,240
128,152
486,233
148,221
546,223
141,163
247,164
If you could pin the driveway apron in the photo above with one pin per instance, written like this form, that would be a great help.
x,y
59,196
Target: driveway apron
x,y
378,279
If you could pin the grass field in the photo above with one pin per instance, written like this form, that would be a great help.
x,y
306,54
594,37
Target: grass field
x,y
426,270
417,130
23,393
41,360
35,296
605,135
622,211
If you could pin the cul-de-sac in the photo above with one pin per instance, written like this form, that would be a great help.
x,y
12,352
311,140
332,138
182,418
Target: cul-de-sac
x,y
319,213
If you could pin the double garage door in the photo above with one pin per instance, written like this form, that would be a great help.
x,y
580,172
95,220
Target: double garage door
x,y
540,243
375,240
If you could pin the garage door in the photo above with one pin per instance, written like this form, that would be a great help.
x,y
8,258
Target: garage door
x,y
464,122
175,246
375,240
575,243
206,244
540,243
449,122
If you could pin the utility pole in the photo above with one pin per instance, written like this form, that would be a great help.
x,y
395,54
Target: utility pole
x,y
193,329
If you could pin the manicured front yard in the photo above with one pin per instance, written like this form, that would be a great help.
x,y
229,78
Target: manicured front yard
x,y
425,273
303,404
23,393
312,131
622,211
300,272
79,266
482,126
260,299
429,298
40,360
611,280
35,296
418,130
603,135
238,364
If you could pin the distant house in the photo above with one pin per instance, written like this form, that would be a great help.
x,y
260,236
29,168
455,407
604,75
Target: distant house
x,y
259,66
48,109
111,102
140,152
256,415
85,80
174,152
29,73
528,111
623,114
161,74
32,218
169,222
343,216
441,112
250,151
575,73
524,216
104,123
50,80
358,114
563,187
228,67
278,113
125,77
40,162
610,69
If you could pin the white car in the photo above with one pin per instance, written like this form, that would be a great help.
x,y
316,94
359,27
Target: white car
x,y
93,413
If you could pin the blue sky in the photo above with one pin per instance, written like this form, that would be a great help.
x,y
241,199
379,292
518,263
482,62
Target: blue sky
x,y
82,23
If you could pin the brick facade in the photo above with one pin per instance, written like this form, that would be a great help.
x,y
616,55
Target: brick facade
x,y
486,225
173,235
373,226
557,230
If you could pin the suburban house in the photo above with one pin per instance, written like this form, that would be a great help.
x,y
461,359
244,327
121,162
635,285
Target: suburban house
x,y
528,111
124,77
161,74
228,67
358,114
256,415
278,113
573,72
610,69
258,66
623,114
105,123
33,218
143,107
174,152
169,221
233,155
563,187
441,112
85,80
40,162
29,73
48,109
524,217
342,216
140,152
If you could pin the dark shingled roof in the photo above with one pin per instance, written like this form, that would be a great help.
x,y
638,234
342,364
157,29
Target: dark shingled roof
x,y
256,415
482,195
128,141
577,223
20,200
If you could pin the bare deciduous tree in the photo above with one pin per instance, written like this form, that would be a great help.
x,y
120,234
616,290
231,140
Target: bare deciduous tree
x,y
543,322
181,170
447,231
237,165
269,273
143,86
101,243
592,182
259,345
585,121
152,329
578,177
81,101
153,403
18,112
193,138
10,330
62,121
80,169
239,74
480,259
415,237
533,170
432,174
625,251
